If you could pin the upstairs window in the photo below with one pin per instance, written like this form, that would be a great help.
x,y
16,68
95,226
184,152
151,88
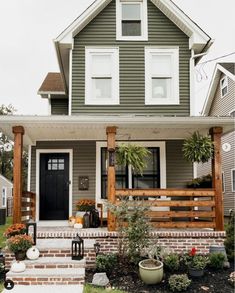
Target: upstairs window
x,y
131,20
224,86
102,76
161,76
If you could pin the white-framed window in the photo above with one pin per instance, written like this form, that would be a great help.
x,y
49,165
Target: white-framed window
x,y
4,197
223,181
161,76
224,86
102,76
233,179
131,20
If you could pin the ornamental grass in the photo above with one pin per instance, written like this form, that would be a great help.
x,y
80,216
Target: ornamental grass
x,y
15,229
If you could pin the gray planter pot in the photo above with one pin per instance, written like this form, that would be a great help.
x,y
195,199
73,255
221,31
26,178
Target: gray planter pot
x,y
196,273
151,271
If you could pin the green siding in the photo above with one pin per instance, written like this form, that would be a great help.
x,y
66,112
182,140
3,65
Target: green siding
x,y
59,106
101,31
178,170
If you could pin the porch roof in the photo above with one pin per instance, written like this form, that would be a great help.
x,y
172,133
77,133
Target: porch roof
x,y
41,128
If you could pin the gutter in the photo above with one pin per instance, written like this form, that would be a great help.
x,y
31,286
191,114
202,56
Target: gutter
x,y
56,43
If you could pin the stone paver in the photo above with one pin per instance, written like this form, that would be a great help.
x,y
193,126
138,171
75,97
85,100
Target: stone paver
x,y
46,289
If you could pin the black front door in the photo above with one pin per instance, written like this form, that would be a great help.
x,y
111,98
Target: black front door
x,y
54,186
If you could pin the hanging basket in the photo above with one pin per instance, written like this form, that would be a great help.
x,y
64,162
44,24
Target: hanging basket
x,y
198,148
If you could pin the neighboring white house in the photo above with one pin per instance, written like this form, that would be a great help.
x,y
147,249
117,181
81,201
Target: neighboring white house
x,y
5,191
220,102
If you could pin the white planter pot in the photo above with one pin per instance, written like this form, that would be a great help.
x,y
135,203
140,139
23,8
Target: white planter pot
x,y
151,273
18,267
33,253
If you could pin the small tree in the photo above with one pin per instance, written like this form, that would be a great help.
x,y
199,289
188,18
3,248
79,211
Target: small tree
x,y
229,242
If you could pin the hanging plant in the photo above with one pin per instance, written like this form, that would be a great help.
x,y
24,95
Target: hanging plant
x,y
133,155
198,148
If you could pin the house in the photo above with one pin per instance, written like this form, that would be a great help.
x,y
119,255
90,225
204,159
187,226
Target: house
x,y
220,102
126,75
5,191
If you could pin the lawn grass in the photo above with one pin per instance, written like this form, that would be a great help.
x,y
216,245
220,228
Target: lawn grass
x,y
2,230
91,289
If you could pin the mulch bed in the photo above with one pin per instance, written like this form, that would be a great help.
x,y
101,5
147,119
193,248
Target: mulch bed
x,y
126,278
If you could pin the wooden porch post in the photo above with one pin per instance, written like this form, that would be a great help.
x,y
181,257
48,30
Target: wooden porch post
x,y
111,145
216,133
17,172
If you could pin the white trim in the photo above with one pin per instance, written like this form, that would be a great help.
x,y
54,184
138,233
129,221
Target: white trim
x,y
49,105
160,144
174,97
225,78
114,53
232,186
70,80
29,167
49,151
192,84
144,20
223,182
4,189
8,181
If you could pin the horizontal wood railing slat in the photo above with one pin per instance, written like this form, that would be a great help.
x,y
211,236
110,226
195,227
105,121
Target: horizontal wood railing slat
x,y
172,203
165,192
28,206
181,214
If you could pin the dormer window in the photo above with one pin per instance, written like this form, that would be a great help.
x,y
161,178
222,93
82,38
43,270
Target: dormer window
x,y
131,20
224,86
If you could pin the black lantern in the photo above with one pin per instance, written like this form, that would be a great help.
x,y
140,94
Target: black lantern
x,y
97,248
31,230
77,248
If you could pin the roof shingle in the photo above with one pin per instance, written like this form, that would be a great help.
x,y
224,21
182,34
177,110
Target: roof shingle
x,y
52,83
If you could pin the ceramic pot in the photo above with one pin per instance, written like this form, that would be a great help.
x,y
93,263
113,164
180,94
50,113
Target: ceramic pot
x,y
18,267
33,253
196,273
151,271
20,255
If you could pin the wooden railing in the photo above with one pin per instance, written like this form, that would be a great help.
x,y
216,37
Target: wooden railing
x,y
183,208
28,206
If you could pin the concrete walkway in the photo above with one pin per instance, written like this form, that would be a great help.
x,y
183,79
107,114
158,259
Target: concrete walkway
x,y
46,289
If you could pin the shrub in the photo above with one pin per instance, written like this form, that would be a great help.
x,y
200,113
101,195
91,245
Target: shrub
x,y
19,243
179,283
196,261
172,262
106,262
229,242
216,260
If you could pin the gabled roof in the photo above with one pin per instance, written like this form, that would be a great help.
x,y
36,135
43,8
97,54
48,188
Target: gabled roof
x,y
199,41
7,180
229,70
52,84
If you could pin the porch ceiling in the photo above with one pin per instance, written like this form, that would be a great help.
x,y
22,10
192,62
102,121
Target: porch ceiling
x,y
94,127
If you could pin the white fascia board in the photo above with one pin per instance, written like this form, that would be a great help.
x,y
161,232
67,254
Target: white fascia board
x,y
51,93
8,181
213,86
79,23
189,27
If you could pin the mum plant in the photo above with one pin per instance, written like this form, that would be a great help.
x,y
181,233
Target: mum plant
x,y
19,243
196,261
15,229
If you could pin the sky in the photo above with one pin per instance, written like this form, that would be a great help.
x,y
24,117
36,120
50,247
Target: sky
x,y
27,53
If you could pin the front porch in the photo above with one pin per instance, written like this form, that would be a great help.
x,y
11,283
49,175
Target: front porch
x,y
60,131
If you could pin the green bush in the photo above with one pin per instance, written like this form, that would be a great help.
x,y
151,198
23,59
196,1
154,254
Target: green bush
x,y
106,262
216,260
172,262
229,242
179,283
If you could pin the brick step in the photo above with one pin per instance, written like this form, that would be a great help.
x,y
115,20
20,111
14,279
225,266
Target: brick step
x,y
54,262
46,289
69,276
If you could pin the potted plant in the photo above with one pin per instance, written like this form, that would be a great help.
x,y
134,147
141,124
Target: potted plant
x,y
15,229
196,263
151,269
198,148
19,244
84,206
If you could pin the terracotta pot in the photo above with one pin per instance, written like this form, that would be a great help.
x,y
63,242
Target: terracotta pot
x,y
20,255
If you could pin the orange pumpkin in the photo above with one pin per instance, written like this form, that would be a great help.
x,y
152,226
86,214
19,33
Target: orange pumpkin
x,y
79,220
